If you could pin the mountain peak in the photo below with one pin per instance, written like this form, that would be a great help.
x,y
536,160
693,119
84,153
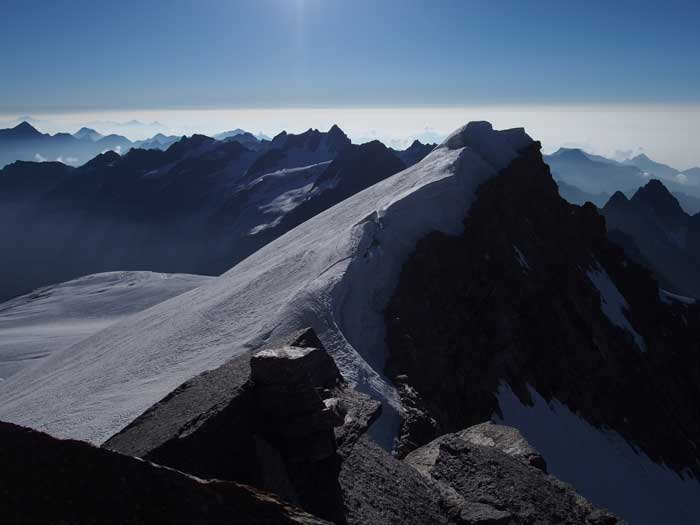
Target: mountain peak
x,y
25,128
103,159
656,196
336,139
571,154
617,200
654,189
87,133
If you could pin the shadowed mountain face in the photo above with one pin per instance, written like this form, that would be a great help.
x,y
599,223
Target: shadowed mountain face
x,y
584,177
198,207
574,195
592,175
665,235
533,295
657,169
415,152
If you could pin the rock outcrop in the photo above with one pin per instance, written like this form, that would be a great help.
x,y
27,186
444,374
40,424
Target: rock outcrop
x,y
489,474
266,419
47,480
284,419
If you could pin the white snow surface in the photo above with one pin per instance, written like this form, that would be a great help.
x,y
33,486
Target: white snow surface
x,y
601,465
276,194
335,273
55,317
613,302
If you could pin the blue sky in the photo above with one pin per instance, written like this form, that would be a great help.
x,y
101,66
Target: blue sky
x,y
78,55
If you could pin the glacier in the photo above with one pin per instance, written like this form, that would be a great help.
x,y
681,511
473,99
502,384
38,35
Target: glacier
x,y
52,318
334,273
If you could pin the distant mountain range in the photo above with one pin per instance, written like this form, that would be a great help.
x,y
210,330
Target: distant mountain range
x,y
197,206
458,293
25,142
656,231
652,210
583,176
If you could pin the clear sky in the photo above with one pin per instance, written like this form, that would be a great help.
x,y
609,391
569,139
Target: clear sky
x,y
68,55
604,75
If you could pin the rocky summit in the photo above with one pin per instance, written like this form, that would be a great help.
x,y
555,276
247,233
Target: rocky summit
x,y
289,423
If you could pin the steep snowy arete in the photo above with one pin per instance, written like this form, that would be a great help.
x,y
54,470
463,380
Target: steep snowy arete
x,y
334,273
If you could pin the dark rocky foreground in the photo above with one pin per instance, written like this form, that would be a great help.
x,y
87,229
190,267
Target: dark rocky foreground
x,y
47,480
284,420
490,474
514,300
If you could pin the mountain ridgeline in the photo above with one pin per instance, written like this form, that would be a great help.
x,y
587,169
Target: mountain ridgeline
x,y
582,177
448,343
25,142
656,231
199,206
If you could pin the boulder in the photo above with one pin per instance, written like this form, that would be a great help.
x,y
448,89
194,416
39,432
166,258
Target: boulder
x,y
490,474
506,439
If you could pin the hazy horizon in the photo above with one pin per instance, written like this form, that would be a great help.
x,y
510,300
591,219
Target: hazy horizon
x,y
607,77
666,132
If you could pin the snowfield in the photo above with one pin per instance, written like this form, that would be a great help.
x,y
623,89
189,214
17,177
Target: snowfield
x,y
613,474
334,272
55,317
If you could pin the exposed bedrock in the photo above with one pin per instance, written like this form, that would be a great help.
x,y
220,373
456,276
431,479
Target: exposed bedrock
x,y
488,474
534,293
283,419
265,419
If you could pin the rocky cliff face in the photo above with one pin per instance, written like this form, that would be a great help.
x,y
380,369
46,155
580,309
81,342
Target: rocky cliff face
x,y
533,293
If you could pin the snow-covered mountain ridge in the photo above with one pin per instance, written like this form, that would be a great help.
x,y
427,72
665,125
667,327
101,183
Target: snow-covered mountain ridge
x,y
310,276
52,318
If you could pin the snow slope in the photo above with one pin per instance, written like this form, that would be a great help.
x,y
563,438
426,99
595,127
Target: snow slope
x,y
55,317
334,272
600,464
613,303
270,197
